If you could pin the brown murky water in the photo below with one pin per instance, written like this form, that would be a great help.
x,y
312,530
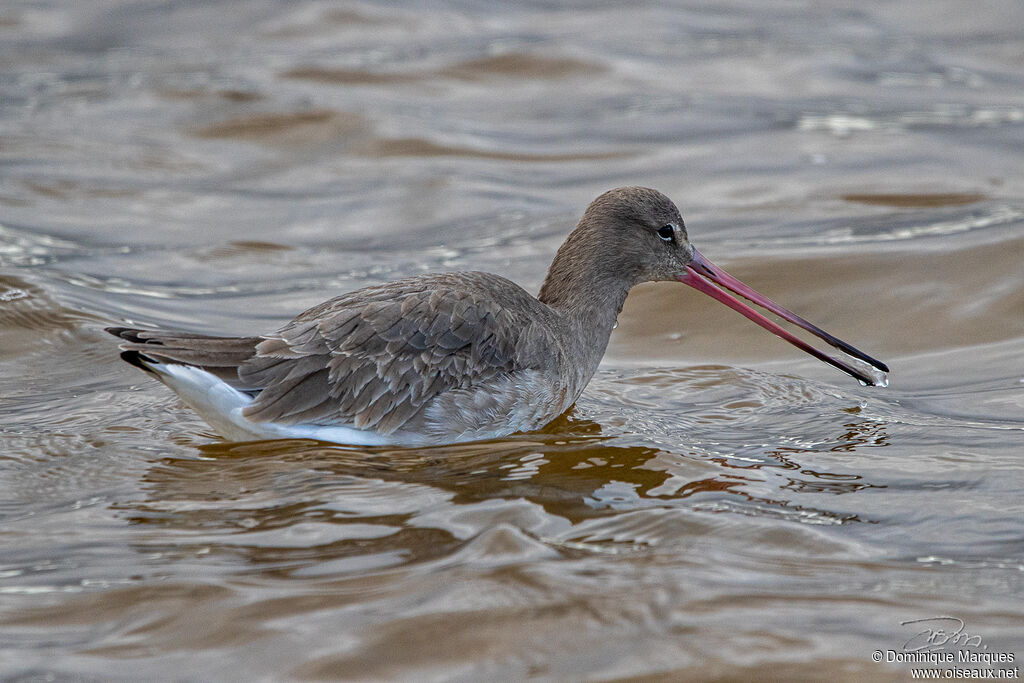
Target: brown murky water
x,y
715,507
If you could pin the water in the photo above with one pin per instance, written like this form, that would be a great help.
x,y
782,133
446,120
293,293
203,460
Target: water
x,y
716,505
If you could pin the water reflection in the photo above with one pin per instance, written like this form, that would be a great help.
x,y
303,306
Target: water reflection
x,y
302,502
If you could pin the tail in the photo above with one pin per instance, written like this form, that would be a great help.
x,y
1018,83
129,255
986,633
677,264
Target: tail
x,y
220,356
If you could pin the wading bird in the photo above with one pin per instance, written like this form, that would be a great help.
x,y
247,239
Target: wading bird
x,y
438,359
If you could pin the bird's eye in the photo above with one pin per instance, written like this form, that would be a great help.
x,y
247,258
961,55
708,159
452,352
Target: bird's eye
x,y
667,233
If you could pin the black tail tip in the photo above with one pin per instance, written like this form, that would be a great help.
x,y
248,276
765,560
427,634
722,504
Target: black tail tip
x,y
137,359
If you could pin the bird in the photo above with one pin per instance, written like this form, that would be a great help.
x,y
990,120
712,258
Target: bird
x,y
438,359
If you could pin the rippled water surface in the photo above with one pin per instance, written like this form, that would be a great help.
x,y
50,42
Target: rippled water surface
x,y
716,506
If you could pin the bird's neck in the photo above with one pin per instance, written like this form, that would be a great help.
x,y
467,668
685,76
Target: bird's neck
x,y
590,296
587,288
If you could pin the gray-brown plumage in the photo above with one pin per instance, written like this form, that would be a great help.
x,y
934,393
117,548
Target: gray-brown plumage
x,y
433,358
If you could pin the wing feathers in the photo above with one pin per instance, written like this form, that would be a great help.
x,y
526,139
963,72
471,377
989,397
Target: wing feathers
x,y
376,357
288,398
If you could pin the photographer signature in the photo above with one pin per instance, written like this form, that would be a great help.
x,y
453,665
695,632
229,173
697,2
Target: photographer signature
x,y
940,632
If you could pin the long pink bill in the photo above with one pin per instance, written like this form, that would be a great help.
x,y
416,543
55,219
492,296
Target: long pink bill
x,y
703,275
